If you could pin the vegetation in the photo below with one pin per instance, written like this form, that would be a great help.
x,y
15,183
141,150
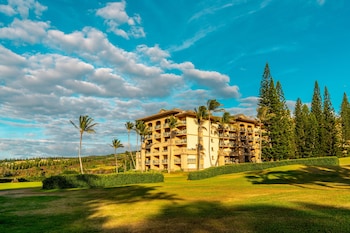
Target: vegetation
x,y
116,144
85,125
129,126
294,198
100,181
274,114
212,106
314,132
172,122
201,114
235,168
39,168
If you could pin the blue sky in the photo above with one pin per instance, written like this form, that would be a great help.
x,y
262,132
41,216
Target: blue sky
x,y
118,61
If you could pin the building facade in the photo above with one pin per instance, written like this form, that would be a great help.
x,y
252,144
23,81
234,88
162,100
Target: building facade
x,y
187,146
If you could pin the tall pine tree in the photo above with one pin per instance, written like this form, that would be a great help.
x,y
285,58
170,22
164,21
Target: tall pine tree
x,y
329,141
275,116
299,129
345,125
316,110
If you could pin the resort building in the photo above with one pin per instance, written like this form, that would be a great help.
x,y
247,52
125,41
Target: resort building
x,y
179,147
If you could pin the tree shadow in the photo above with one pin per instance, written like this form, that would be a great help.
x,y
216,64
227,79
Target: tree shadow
x,y
174,216
205,217
131,194
329,176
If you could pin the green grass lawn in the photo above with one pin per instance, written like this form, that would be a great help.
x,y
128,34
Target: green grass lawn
x,y
284,199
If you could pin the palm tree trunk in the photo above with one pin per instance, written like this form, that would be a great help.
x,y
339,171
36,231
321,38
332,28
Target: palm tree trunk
x,y
209,144
169,159
199,147
116,160
132,158
81,163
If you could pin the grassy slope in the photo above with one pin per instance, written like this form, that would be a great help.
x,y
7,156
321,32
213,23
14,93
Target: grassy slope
x,y
284,199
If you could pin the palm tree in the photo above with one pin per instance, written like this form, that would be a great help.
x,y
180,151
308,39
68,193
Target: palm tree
x,y
116,144
201,115
129,126
85,125
225,119
212,106
142,129
172,121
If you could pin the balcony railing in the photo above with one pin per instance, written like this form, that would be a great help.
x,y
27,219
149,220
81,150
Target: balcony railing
x,y
191,161
181,123
177,161
156,162
164,161
181,132
183,141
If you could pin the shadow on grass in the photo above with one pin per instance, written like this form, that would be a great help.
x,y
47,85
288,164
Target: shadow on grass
x,y
193,217
214,217
131,194
323,176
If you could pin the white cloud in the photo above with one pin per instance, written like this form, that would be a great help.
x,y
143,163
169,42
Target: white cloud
x,y
155,54
116,17
7,10
191,41
213,80
23,8
25,31
210,11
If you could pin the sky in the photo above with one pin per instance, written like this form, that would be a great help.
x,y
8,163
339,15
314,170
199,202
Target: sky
x,y
118,61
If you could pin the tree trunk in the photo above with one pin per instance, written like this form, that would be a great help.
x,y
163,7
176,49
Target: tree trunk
x,y
116,161
81,163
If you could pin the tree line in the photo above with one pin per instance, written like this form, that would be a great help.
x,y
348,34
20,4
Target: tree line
x,y
313,130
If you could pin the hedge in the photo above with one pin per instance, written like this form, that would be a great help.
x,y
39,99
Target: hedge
x,y
100,181
235,168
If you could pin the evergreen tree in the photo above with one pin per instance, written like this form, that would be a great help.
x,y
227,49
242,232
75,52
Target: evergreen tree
x,y
299,129
329,142
264,112
275,116
311,132
283,147
345,125
265,87
316,110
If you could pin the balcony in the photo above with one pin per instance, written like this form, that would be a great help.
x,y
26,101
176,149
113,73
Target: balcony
x,y
191,161
164,161
177,161
166,134
180,123
155,162
181,132
157,127
183,141
147,162
166,125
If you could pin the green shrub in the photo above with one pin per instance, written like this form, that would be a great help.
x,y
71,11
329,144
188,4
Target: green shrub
x,y
235,168
100,181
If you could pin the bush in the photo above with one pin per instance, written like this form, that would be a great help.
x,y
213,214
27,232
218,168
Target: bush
x,y
235,168
100,181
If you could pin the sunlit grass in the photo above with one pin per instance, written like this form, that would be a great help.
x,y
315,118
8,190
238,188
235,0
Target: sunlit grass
x,y
285,199
20,185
